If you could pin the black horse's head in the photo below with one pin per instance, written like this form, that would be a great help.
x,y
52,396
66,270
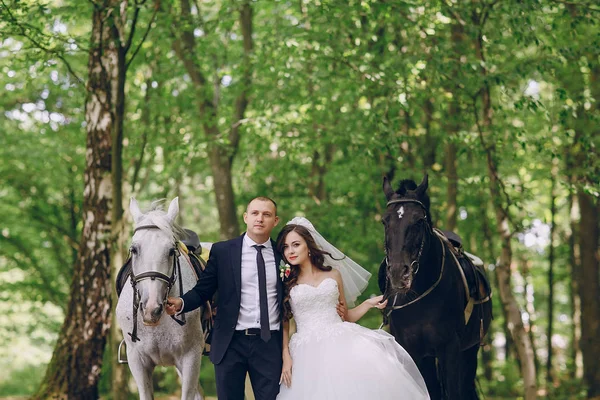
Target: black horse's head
x,y
407,227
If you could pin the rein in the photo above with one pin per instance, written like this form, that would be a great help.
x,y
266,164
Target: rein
x,y
152,275
425,293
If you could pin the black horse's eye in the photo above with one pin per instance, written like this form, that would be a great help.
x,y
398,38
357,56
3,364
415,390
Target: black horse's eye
x,y
133,250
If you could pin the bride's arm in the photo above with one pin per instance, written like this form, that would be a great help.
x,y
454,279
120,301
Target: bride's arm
x,y
286,370
357,313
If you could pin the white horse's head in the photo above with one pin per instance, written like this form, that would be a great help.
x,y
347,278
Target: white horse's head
x,y
153,255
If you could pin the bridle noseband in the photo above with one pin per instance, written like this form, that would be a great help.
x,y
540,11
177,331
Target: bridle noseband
x,y
153,275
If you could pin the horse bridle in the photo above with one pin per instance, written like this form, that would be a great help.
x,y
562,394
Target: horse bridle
x,y
153,275
416,261
393,306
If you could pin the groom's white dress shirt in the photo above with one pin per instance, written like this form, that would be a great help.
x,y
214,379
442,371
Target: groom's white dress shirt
x,y
249,316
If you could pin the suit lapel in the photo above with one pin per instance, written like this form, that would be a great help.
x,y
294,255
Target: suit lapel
x,y
277,256
236,263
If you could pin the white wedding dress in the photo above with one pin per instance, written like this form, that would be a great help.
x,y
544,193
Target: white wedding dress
x,y
333,359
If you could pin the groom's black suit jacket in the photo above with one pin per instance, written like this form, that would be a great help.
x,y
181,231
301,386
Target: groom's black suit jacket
x,y
223,272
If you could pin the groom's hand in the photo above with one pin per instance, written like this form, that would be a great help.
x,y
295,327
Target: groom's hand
x,y
342,310
174,305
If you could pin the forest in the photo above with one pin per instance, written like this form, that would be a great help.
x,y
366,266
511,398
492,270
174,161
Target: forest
x,y
312,103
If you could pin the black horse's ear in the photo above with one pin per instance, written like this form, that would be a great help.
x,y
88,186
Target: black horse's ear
x,y
423,185
387,188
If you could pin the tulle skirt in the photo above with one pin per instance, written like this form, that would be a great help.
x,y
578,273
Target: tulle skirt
x,y
351,362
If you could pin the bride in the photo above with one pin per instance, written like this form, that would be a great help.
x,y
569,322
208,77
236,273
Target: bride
x,y
328,358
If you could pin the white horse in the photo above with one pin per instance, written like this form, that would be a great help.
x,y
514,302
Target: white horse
x,y
153,338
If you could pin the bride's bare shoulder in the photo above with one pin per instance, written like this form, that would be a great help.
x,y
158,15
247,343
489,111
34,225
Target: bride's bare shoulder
x,y
335,274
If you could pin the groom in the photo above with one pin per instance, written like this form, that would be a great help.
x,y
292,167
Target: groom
x,y
247,334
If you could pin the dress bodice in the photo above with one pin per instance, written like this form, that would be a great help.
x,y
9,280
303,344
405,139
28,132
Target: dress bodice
x,y
314,307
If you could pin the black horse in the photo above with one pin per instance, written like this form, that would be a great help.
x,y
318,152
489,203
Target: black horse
x,y
427,297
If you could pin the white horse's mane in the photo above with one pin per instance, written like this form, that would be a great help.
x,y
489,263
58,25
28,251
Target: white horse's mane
x,y
157,216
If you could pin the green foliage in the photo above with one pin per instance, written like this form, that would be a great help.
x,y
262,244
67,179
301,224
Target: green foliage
x,y
22,382
342,92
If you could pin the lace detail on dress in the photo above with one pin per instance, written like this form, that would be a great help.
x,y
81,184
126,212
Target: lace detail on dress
x,y
315,312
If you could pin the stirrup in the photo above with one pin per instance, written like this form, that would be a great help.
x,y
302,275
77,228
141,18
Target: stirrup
x,y
121,361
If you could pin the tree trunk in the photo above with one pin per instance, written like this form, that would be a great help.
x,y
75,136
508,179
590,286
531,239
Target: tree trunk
x,y
73,216
76,363
451,174
530,308
509,303
408,153
486,352
452,125
119,372
584,156
320,164
589,292
550,331
429,142
503,270
222,178
589,234
575,262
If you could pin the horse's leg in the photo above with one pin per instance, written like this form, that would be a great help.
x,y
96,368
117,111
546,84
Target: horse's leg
x,y
188,367
469,372
428,370
142,374
449,360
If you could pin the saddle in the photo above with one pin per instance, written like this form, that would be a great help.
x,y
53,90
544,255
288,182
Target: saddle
x,y
192,242
192,250
477,282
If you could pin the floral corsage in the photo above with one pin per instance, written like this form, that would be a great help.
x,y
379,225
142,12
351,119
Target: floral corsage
x,y
284,270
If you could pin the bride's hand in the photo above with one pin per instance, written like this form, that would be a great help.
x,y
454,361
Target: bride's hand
x,y
376,302
286,371
342,310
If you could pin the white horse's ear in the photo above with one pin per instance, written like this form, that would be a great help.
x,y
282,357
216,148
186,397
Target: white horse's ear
x,y
173,209
134,208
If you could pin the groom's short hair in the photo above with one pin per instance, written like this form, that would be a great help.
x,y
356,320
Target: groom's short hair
x,y
264,198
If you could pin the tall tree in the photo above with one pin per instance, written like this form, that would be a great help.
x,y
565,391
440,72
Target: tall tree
x,y
589,291
126,44
453,126
223,146
77,359
582,87
589,223
501,204
551,257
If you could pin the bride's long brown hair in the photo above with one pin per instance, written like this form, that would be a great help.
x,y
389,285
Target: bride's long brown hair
x,y
316,255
